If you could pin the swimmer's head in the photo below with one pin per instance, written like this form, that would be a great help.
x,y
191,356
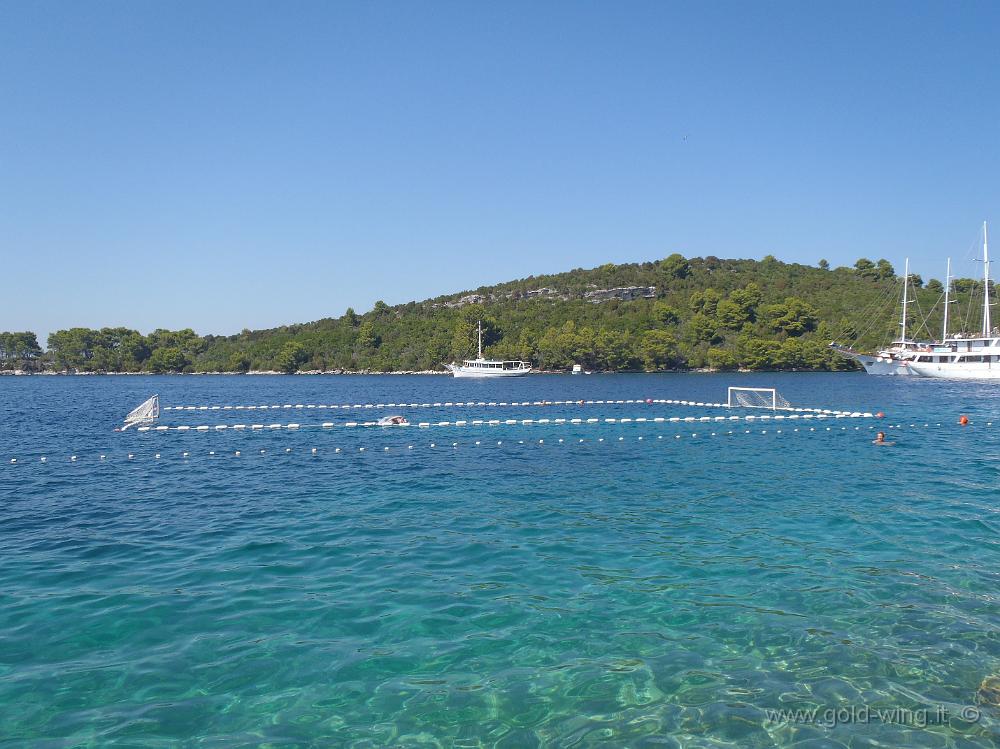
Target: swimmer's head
x,y
880,436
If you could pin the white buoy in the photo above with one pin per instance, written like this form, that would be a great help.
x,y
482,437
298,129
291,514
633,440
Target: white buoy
x,y
13,460
314,451
237,453
73,457
183,455
44,459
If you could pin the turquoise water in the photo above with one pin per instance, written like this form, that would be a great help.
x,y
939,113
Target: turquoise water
x,y
663,591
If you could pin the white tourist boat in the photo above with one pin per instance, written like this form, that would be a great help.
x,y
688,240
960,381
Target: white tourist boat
x,y
480,367
956,356
964,357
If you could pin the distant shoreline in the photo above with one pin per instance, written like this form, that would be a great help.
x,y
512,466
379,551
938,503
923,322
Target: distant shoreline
x,y
345,372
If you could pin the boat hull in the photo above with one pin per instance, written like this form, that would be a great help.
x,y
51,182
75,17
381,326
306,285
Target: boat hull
x,y
963,371
884,366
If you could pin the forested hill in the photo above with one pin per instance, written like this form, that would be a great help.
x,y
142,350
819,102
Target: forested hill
x,y
674,313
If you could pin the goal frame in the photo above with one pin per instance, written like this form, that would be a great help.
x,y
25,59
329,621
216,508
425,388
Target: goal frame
x,y
773,392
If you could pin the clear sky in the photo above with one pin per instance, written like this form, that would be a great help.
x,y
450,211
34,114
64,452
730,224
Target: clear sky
x,y
225,165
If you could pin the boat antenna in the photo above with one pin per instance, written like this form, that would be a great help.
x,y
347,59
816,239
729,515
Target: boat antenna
x,y
906,283
947,291
986,283
479,327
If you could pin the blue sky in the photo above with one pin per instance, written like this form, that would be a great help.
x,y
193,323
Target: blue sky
x,y
228,165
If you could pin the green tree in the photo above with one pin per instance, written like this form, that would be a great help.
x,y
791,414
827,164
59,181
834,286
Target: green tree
x,y
731,315
865,268
722,359
936,286
792,317
367,337
238,362
664,314
703,329
824,264
170,359
705,302
884,270
291,356
675,266
659,350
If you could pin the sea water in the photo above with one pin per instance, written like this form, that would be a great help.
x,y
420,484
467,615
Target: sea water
x,y
515,585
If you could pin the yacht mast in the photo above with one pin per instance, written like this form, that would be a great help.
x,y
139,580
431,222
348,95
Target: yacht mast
x,y
906,283
947,291
986,284
479,327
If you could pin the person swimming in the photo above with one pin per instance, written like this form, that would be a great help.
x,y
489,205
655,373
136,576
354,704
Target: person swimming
x,y
880,440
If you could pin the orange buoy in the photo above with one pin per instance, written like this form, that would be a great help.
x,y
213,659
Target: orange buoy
x,y
963,420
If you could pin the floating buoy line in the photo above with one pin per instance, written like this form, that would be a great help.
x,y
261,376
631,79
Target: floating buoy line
x,y
483,404
507,422
714,432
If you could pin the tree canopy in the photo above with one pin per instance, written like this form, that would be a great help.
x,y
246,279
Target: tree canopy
x,y
675,313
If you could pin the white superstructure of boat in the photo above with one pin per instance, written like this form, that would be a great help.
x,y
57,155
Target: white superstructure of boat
x,y
480,367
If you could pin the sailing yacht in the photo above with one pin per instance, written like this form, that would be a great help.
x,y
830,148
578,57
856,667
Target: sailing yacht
x,y
480,367
964,357
895,358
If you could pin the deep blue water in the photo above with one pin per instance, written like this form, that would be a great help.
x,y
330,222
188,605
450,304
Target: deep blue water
x,y
663,591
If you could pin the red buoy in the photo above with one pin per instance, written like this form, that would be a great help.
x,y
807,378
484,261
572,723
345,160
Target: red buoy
x,y
880,415
963,420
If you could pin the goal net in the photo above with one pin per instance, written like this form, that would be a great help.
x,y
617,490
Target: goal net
x,y
756,398
146,413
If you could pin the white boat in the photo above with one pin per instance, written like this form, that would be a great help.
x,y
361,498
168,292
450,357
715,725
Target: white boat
x,y
480,367
894,359
964,357
957,357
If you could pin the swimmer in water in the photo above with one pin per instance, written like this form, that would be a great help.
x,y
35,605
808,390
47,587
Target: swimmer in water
x,y
880,440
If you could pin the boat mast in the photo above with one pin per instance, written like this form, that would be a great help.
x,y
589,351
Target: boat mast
x,y
947,291
906,283
479,327
986,284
